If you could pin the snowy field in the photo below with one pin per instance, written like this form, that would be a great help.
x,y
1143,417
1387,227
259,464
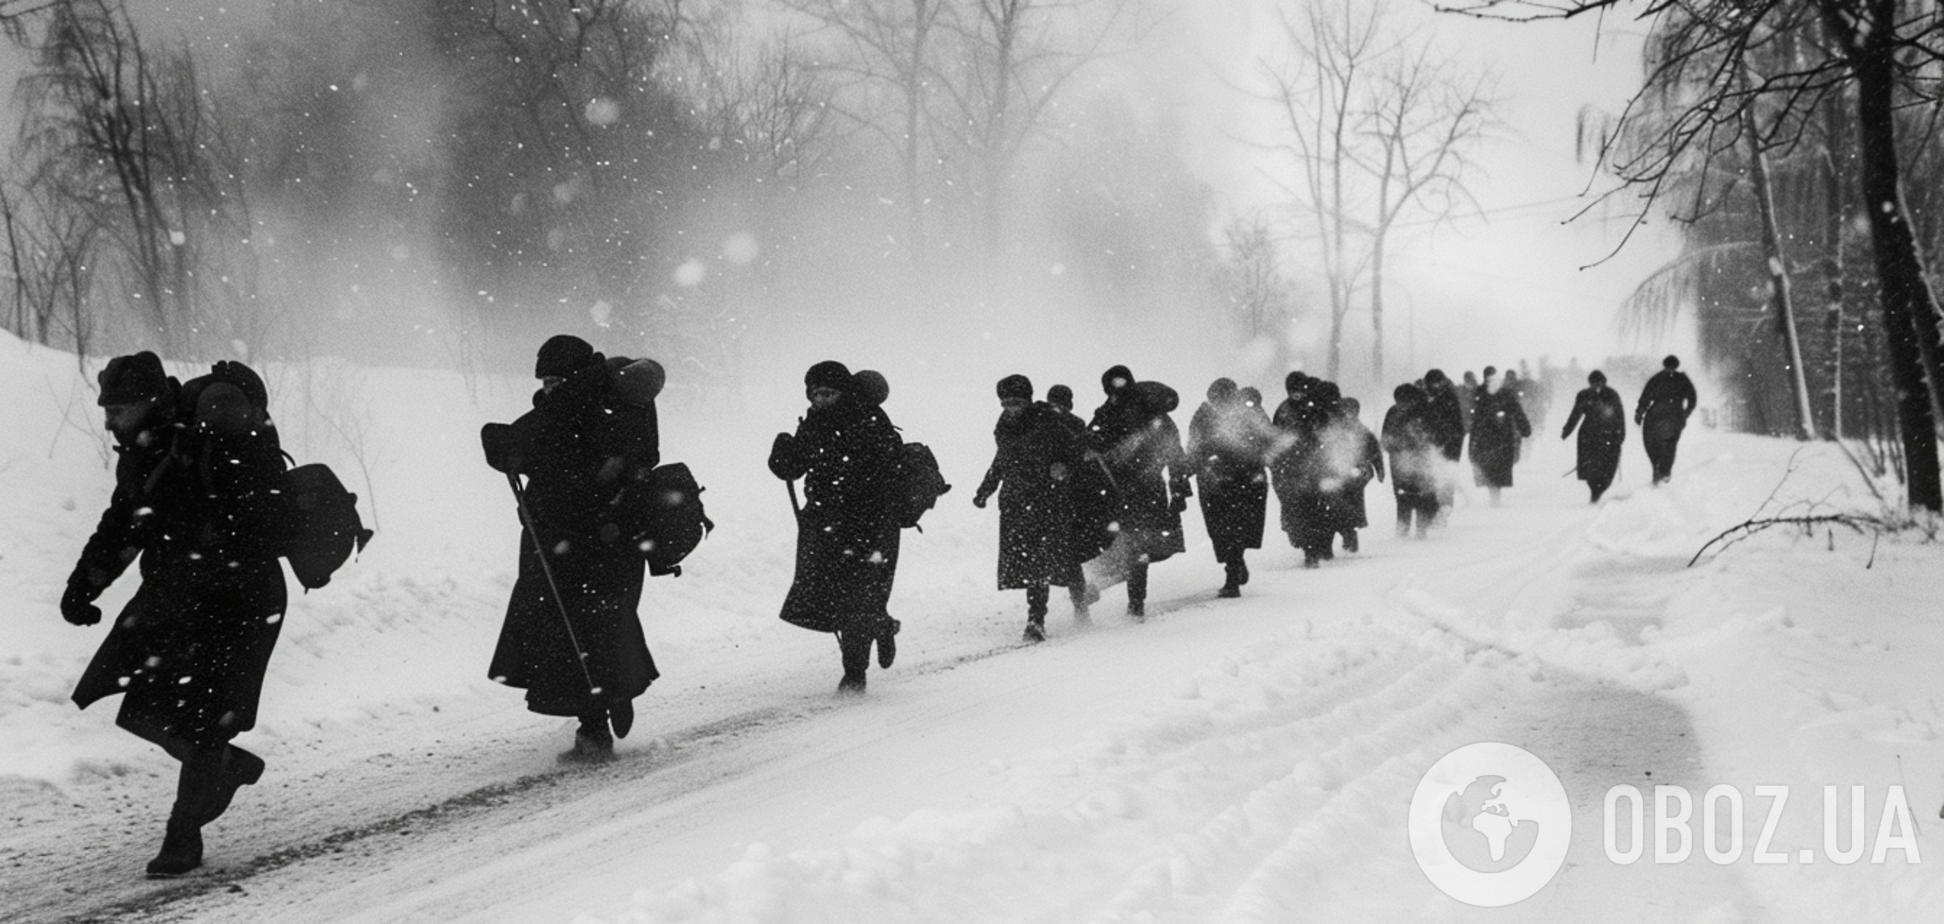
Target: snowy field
x,y
1244,760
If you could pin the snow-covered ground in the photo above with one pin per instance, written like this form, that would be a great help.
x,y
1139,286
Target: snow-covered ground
x,y
1249,759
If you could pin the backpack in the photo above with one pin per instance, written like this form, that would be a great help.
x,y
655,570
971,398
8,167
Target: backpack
x,y
321,524
914,485
668,506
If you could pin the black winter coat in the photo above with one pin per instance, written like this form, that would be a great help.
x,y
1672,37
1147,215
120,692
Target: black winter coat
x,y
1414,454
1602,422
579,448
1228,447
1665,403
847,542
1498,423
1033,472
190,650
1142,451
1448,420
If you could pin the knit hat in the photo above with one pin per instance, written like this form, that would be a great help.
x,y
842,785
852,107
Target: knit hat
x,y
561,355
1116,379
1060,395
132,379
1016,386
829,374
872,388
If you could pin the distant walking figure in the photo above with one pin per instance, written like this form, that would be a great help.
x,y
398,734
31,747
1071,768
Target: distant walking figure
x,y
1498,423
1602,422
1662,413
1036,459
1228,441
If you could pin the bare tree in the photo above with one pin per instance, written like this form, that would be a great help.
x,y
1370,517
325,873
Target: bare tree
x,y
1878,53
889,47
1378,127
1258,293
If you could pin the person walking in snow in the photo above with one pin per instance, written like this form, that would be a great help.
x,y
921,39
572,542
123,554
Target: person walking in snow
x,y
572,634
1359,458
1449,417
1665,403
1498,424
847,539
1228,444
196,499
1601,419
1133,435
1032,471
1414,459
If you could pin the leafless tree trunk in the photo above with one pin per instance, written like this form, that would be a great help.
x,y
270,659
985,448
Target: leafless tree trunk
x,y
1780,290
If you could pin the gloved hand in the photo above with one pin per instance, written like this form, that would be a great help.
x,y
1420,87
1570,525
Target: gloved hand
x,y
979,501
78,608
1179,504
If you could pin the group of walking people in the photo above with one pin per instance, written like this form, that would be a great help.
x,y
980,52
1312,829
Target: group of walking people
x,y
1083,505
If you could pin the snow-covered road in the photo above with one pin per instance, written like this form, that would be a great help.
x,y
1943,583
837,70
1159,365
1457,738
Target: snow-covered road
x,y
1248,759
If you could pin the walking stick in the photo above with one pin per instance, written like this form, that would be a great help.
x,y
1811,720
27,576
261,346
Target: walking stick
x,y
795,508
526,520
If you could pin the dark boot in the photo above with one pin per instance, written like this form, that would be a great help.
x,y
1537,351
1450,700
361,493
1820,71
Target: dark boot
x,y
182,849
593,743
236,768
1137,575
887,641
1232,587
855,647
1036,603
621,717
196,786
1350,542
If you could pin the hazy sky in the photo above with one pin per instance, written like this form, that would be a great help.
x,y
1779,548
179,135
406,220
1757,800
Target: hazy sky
x,y
1495,289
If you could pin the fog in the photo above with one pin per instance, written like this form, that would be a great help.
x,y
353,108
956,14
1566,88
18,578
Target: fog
x,y
1180,88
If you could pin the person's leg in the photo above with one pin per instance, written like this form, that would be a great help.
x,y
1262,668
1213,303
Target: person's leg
x,y
1137,574
182,845
854,645
1037,596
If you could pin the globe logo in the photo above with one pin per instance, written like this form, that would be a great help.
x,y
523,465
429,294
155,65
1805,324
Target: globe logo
x,y
1490,824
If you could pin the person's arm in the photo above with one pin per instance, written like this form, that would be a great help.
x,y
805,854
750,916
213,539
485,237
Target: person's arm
x,y
791,455
117,540
1573,419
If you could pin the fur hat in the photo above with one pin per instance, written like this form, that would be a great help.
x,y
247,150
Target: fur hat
x,y
561,355
1060,395
1116,380
132,379
872,388
829,374
1015,386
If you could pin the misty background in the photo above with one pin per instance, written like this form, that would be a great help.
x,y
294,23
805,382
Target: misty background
x,y
946,190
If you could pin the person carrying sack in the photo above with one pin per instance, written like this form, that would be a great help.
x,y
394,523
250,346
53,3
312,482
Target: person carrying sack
x,y
196,500
846,450
572,635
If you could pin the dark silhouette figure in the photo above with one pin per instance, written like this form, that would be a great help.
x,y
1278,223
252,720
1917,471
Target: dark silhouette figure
x,y
572,634
1228,443
1133,435
1601,419
1662,412
196,499
1032,471
847,539
1498,424
1415,459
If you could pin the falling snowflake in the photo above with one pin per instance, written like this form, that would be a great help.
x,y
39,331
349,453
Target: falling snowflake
x,y
690,274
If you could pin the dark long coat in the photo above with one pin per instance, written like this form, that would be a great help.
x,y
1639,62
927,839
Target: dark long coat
x,y
1357,457
1498,423
1414,453
1142,451
1601,418
1447,420
847,543
1665,403
1033,471
190,650
1301,470
1228,447
578,448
